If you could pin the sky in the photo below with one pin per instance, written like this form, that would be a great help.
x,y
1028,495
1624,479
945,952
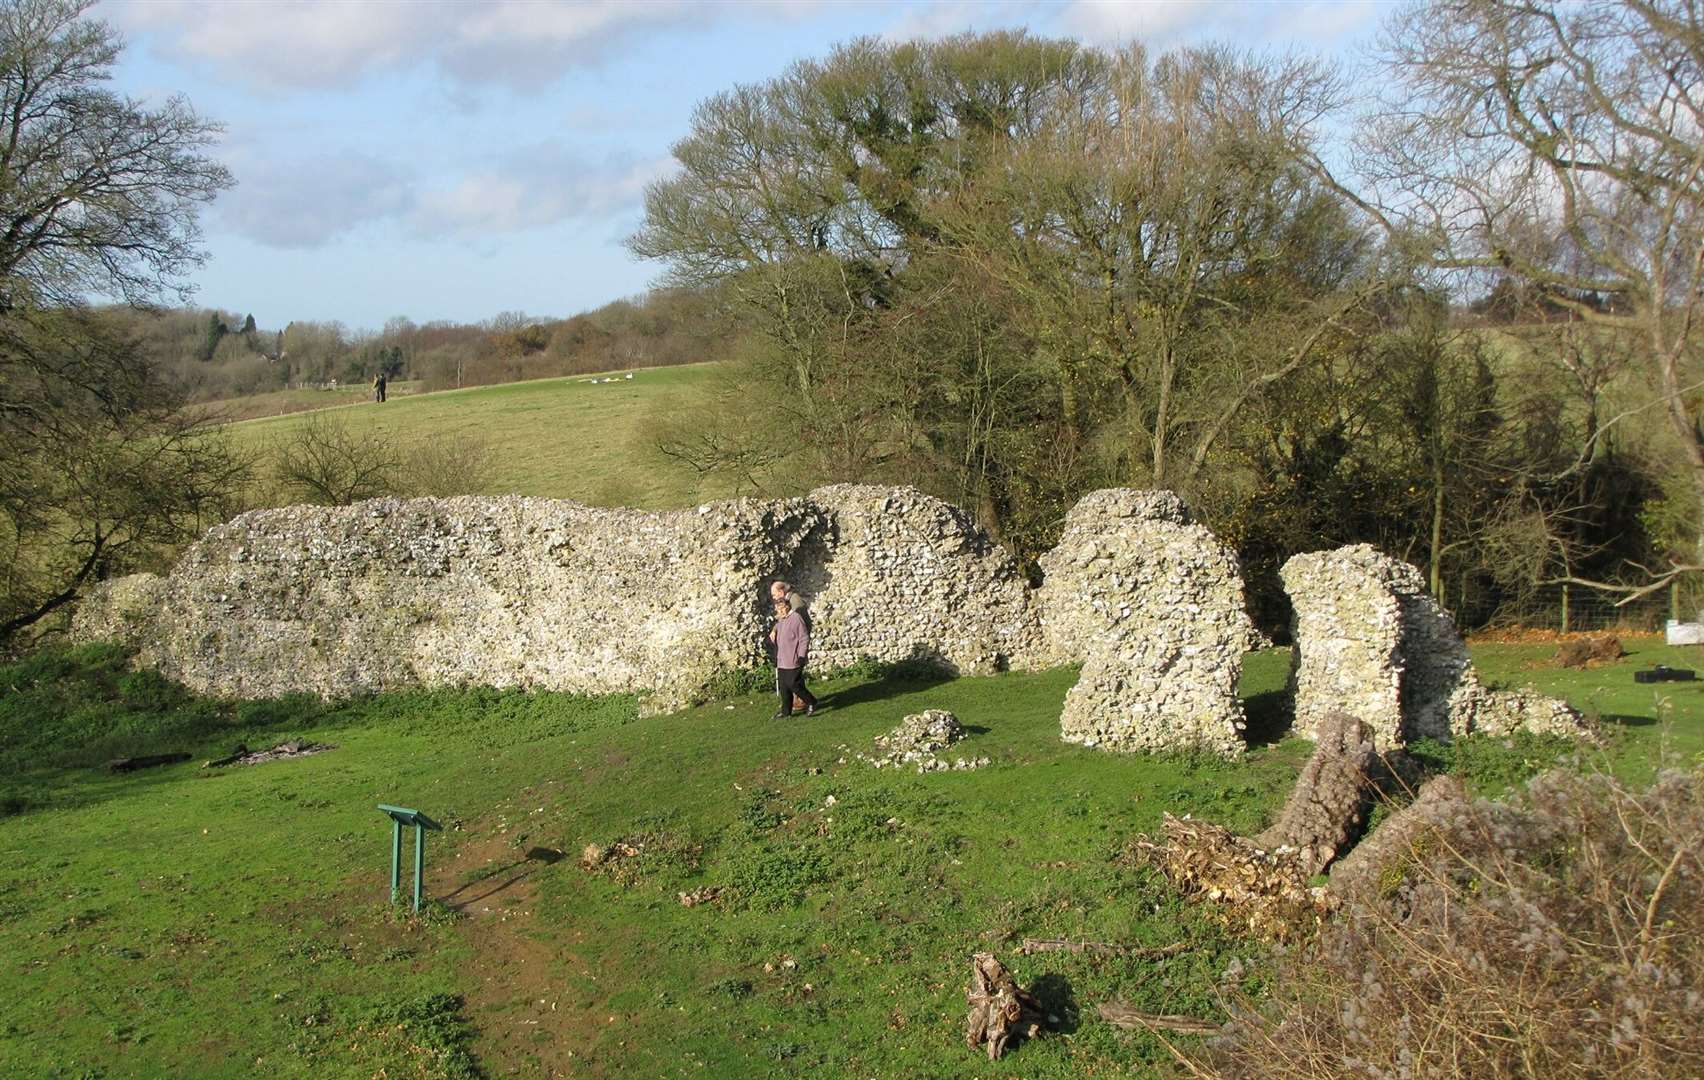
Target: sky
x,y
439,159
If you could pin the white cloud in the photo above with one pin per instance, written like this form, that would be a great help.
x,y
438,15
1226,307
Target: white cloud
x,y
310,201
535,186
316,44
1317,23
1110,22
944,18
314,201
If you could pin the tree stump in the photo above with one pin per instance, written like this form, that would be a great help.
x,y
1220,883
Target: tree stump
x,y
1329,804
999,1008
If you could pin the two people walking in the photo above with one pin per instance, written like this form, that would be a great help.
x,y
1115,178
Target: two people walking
x,y
792,637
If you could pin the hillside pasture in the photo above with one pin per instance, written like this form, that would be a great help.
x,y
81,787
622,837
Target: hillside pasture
x,y
564,438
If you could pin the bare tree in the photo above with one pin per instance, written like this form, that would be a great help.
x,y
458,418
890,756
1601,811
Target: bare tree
x,y
1562,144
100,466
98,192
326,461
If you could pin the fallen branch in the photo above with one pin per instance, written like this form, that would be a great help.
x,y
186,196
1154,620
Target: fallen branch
x,y
1125,1017
1107,948
145,761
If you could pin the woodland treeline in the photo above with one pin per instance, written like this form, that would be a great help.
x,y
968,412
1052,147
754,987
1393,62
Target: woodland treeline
x,y
1454,322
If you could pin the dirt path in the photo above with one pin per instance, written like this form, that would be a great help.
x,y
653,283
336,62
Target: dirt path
x,y
518,982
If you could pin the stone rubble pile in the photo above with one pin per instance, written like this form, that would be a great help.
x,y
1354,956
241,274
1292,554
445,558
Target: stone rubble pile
x,y
918,739
1371,642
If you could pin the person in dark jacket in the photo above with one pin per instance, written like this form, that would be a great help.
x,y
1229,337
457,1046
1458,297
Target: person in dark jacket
x,y
792,648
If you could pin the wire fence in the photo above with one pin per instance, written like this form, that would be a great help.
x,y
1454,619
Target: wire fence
x,y
1573,609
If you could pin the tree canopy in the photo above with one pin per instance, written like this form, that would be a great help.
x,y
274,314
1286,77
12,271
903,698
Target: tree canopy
x,y
99,464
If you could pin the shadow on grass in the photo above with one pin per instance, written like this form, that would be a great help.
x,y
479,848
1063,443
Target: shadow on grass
x,y
1057,999
887,687
1268,716
1628,720
519,870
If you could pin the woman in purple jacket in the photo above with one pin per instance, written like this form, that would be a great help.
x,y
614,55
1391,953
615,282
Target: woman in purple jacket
x,y
792,648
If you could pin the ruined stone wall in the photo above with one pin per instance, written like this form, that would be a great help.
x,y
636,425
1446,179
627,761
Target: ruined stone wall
x,y
895,574
1370,641
549,594
443,592
1152,605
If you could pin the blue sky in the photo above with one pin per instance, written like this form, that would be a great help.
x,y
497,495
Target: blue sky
x,y
448,160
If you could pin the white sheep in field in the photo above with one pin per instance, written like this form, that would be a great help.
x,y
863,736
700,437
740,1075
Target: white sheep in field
x,y
629,375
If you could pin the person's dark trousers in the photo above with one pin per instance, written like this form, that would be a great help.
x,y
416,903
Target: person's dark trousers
x,y
790,681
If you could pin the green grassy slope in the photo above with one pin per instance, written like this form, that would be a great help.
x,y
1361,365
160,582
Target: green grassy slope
x,y
183,921
564,438
275,403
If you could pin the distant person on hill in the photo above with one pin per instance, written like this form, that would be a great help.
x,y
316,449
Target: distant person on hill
x,y
792,647
379,386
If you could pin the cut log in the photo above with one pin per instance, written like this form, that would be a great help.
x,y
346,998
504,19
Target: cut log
x,y
1440,799
1329,804
1125,1017
1147,952
242,751
999,1008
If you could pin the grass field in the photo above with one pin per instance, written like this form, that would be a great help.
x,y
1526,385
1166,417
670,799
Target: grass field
x,y
232,922
283,402
563,438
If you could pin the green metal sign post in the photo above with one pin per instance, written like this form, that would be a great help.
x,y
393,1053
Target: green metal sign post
x,y
400,816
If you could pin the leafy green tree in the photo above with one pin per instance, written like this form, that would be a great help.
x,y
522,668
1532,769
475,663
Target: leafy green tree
x,y
945,244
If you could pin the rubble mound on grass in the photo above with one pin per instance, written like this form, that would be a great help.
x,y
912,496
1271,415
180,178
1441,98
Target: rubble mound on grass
x,y
918,739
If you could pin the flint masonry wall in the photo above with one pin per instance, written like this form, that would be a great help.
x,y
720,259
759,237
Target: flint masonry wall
x,y
1152,605
550,594
1370,641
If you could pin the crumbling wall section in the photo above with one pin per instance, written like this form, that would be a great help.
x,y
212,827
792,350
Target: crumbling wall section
x,y
1370,641
897,575
1152,605
442,592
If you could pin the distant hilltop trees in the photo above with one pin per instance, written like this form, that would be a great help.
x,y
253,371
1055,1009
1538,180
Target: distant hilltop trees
x,y
218,355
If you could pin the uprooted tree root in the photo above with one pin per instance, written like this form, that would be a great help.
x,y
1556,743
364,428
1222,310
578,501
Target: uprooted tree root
x,y
1261,884
999,1008
1263,892
1561,934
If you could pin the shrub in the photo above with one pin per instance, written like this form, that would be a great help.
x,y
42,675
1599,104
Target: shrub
x,y
445,465
1562,934
325,461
